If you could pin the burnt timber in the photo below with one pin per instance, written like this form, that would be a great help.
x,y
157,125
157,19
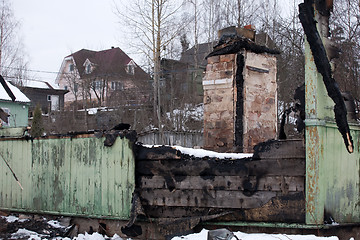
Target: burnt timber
x,y
268,187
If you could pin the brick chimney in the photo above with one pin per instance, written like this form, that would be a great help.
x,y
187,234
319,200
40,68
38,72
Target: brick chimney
x,y
240,97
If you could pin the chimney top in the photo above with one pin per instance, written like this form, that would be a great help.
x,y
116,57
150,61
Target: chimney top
x,y
246,32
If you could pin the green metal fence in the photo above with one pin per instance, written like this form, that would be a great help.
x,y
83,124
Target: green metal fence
x,y
68,176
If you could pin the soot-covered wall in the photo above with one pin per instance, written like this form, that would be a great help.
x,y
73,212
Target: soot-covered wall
x,y
240,101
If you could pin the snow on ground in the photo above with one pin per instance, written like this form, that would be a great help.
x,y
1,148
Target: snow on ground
x,y
45,233
11,219
24,233
55,224
255,236
200,153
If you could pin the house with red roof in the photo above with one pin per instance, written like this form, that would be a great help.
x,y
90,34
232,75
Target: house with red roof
x,y
107,78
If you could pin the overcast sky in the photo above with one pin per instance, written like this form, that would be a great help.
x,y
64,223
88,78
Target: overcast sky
x,y
52,30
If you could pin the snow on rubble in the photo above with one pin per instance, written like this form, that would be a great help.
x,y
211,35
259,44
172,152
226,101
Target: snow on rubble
x,y
255,236
42,228
200,153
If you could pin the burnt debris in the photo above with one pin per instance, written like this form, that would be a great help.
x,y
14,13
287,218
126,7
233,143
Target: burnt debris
x,y
298,109
229,44
110,136
306,15
239,124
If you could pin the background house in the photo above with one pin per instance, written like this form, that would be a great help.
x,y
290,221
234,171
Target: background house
x,y
103,78
182,79
49,97
17,110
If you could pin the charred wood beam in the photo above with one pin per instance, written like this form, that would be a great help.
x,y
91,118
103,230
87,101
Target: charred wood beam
x,y
306,15
236,44
157,153
229,183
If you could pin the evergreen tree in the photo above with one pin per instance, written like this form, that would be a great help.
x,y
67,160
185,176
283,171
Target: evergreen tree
x,y
37,127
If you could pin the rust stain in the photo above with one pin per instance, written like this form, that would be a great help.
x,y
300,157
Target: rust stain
x,y
313,170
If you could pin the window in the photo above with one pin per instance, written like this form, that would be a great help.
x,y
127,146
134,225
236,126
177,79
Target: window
x,y
76,88
130,68
71,67
88,68
49,98
97,85
116,86
66,87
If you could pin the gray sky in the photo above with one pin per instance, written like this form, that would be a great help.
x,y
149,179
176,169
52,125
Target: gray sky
x,y
52,30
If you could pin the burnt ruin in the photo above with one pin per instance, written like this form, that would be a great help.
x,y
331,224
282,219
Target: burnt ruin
x,y
240,95
306,15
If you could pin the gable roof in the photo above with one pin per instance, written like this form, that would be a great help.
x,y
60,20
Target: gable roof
x,y
106,62
38,84
19,96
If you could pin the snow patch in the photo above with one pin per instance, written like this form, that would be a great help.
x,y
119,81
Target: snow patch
x,y
55,224
95,236
200,153
206,153
23,233
11,219
255,236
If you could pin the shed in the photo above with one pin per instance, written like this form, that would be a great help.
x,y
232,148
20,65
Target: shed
x,y
17,110
48,96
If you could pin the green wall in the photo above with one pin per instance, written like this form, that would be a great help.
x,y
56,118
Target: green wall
x,y
18,113
332,174
77,177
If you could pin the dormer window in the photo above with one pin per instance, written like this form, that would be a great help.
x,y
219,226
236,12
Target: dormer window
x,y
88,69
130,68
71,67
88,66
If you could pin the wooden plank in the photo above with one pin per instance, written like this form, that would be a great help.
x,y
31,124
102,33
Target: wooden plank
x,y
205,198
234,183
213,167
288,208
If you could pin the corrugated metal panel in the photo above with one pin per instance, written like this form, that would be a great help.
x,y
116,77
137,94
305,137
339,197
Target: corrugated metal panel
x,y
78,176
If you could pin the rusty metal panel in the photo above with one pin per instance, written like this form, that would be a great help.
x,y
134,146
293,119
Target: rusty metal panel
x,y
332,174
78,176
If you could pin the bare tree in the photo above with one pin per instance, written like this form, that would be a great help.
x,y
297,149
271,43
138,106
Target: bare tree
x,y
12,58
155,26
345,26
72,79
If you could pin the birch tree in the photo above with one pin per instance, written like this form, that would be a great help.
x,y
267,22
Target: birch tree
x,y
154,25
12,62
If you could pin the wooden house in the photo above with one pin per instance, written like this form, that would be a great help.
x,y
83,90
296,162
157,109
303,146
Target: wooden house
x,y
48,97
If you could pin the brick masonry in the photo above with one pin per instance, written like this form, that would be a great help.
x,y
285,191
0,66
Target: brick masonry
x,y
259,103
